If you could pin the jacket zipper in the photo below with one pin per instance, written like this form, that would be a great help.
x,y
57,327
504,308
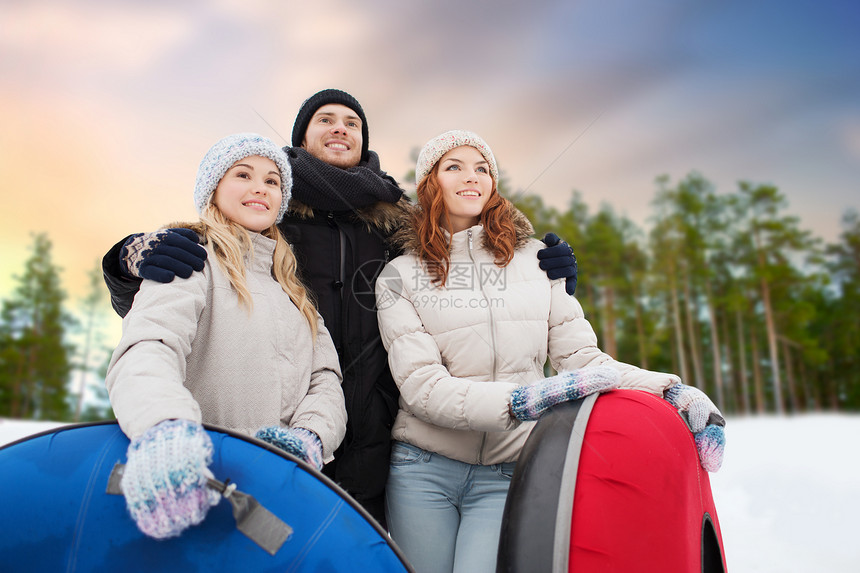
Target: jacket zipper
x,y
342,261
492,332
339,285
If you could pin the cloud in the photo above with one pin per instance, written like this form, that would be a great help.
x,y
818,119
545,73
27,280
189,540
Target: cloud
x,y
90,36
120,98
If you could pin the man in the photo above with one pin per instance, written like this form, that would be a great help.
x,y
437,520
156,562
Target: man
x,y
342,211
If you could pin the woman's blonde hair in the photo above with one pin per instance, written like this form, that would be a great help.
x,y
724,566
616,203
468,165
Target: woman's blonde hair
x,y
231,241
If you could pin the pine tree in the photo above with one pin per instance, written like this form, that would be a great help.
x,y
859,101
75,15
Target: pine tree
x,y
838,319
88,360
666,245
34,360
604,242
771,239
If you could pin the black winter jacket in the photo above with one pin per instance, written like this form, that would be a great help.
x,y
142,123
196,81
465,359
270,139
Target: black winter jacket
x,y
340,255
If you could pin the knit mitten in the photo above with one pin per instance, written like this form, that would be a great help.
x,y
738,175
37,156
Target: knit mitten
x,y
165,477
529,402
705,421
162,255
695,406
711,444
302,443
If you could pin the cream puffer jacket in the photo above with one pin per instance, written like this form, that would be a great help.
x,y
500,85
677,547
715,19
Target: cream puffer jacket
x,y
458,352
189,350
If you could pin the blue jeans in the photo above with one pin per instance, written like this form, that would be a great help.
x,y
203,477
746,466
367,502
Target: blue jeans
x,y
445,515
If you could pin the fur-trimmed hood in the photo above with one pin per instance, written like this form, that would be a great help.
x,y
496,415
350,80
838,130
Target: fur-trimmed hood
x,y
196,226
381,216
406,239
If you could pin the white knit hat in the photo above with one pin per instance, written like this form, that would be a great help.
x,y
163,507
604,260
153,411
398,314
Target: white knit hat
x,y
228,151
434,149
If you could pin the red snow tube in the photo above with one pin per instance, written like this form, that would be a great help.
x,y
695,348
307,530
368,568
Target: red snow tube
x,y
611,483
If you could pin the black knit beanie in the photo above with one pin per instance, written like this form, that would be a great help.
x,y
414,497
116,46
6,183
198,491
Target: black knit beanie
x,y
324,97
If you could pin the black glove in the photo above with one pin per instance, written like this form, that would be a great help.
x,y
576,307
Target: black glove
x,y
162,255
558,260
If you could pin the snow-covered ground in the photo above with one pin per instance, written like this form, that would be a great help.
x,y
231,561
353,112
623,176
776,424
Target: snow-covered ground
x,y
11,430
788,495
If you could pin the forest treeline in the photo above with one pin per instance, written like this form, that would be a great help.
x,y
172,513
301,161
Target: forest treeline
x,y
725,289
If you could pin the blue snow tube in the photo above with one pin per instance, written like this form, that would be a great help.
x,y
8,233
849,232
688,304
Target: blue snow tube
x,y
57,516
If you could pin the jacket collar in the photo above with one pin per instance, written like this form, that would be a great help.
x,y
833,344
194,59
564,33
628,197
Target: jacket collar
x,y
262,251
407,239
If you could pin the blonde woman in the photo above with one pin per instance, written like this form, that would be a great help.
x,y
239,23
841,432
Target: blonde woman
x,y
239,345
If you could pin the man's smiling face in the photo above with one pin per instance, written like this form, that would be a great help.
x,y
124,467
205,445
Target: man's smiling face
x,y
334,136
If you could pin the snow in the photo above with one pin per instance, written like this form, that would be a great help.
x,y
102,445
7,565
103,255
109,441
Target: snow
x,y
12,430
787,495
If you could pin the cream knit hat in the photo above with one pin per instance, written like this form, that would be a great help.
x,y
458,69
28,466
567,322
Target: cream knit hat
x,y
434,149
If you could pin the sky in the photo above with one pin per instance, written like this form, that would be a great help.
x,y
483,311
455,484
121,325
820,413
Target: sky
x,y
107,107
787,495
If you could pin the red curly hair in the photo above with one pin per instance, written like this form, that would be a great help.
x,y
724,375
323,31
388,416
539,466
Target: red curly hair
x,y
429,222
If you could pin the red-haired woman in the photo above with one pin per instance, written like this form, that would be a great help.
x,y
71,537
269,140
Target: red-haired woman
x,y
468,319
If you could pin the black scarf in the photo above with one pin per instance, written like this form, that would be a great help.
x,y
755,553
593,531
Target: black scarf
x,y
326,187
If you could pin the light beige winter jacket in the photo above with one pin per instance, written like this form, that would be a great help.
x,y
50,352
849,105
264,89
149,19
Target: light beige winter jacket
x,y
458,352
190,350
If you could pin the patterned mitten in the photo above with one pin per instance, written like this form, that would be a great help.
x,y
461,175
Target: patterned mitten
x,y
162,255
299,442
705,421
711,444
165,478
529,402
557,260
